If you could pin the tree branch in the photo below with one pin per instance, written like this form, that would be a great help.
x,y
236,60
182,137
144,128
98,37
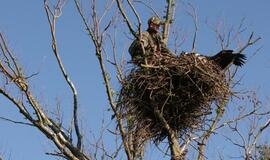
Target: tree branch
x,y
194,16
123,13
250,42
52,22
95,37
16,122
176,153
206,135
168,20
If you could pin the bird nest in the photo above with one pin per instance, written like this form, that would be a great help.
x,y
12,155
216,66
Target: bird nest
x,y
181,89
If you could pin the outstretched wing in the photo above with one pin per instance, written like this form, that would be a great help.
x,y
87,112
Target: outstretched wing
x,y
226,57
239,59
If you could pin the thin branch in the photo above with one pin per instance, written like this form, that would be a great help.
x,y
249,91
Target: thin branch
x,y
206,135
5,48
107,8
16,122
237,119
118,68
250,42
136,14
194,16
56,155
147,6
261,130
18,105
52,22
233,142
123,13
139,22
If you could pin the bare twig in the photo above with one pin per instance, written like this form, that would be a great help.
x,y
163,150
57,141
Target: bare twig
x,y
5,50
148,6
250,42
16,122
194,16
118,67
121,9
18,104
136,14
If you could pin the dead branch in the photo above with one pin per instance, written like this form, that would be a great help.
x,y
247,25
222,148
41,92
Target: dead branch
x,y
194,16
178,40
9,55
147,6
123,13
19,105
206,135
33,112
136,14
52,17
95,37
16,122
249,42
257,136
168,20
116,64
173,141
42,122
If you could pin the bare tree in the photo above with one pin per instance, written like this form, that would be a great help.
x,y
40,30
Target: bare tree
x,y
29,106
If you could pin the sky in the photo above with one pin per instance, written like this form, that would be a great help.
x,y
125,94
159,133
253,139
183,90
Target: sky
x,y
26,29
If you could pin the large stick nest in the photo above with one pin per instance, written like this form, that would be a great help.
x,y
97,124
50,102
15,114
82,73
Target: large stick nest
x,y
181,89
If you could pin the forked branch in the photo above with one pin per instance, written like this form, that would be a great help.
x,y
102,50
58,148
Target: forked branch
x,y
126,19
249,42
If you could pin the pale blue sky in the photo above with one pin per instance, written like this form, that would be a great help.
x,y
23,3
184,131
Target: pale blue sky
x,y
25,26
